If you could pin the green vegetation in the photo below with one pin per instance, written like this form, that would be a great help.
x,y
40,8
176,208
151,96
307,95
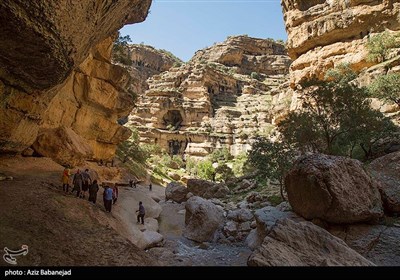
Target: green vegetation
x,y
220,155
255,75
387,88
380,46
120,51
205,170
336,118
223,172
272,159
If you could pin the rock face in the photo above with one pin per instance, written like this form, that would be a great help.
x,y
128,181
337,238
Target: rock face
x,y
334,189
266,218
223,97
147,62
92,100
207,189
304,244
377,243
386,170
176,192
202,219
57,37
324,33
63,145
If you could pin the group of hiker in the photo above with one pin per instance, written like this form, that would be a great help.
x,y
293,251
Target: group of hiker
x,y
82,183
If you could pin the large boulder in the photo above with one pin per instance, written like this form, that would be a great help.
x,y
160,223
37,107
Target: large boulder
x,y
202,219
207,189
377,243
290,243
63,145
334,189
386,170
176,192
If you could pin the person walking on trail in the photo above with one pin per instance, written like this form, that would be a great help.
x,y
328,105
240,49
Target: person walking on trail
x,y
87,181
140,216
65,179
77,182
107,197
150,186
93,189
115,194
131,183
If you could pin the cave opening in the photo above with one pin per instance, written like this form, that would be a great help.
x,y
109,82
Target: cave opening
x,y
172,120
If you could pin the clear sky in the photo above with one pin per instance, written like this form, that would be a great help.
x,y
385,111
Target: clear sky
x,y
185,26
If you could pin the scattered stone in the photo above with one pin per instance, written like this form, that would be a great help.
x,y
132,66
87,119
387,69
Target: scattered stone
x,y
207,189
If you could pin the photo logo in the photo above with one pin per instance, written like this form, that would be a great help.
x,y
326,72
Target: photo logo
x,y
10,255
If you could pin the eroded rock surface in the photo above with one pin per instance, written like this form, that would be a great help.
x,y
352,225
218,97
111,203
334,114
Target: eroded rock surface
x,y
334,189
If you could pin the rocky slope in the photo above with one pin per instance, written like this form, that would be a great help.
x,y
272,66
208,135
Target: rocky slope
x,y
60,229
59,78
221,98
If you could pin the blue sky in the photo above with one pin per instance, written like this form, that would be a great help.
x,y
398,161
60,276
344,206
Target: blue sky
x,y
185,26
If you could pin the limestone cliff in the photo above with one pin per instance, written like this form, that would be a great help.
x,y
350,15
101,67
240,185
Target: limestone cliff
x,y
223,97
90,102
324,33
147,62
47,79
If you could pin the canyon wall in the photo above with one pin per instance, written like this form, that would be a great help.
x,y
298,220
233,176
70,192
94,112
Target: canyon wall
x,y
325,33
50,76
223,97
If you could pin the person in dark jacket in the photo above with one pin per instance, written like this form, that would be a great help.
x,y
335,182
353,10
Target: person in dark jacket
x,y
87,181
140,216
107,197
115,194
77,182
93,189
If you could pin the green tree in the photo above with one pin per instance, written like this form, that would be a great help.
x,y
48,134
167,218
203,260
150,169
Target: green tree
x,y
380,45
205,170
386,87
336,117
272,159
223,172
120,51
220,155
132,150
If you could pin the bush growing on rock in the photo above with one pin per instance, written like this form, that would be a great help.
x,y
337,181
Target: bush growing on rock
x,y
387,88
380,46
336,119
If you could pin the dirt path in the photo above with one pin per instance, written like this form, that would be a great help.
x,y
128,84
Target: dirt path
x,y
63,230
59,229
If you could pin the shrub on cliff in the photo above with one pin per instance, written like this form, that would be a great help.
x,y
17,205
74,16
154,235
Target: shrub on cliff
x,y
387,88
380,46
120,51
336,118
